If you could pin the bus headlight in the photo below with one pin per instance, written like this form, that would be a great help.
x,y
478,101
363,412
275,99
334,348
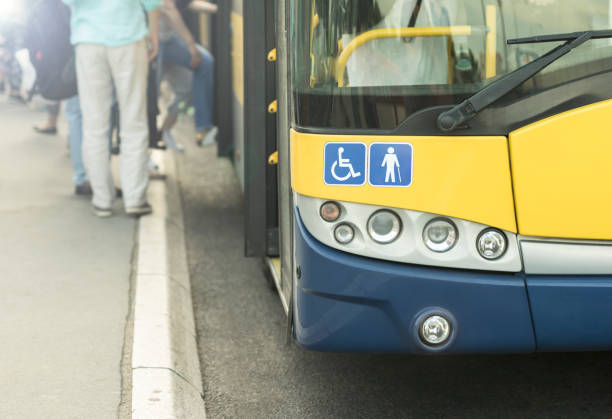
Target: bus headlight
x,y
344,233
440,235
491,244
330,211
384,226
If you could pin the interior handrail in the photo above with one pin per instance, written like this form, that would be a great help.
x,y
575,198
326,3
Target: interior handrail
x,y
410,32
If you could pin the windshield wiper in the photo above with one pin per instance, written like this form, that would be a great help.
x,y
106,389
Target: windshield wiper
x,y
468,109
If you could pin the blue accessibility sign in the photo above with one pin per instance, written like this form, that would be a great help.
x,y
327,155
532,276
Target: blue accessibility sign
x,y
390,164
345,164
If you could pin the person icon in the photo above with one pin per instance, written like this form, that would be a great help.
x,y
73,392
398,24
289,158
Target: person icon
x,y
391,162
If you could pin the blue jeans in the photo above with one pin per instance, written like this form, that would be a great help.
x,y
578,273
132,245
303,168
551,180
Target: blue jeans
x,y
75,128
175,51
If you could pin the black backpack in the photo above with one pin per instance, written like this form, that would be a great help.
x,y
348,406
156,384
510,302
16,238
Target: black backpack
x,y
48,41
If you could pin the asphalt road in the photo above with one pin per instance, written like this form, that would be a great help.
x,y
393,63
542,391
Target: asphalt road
x,y
249,371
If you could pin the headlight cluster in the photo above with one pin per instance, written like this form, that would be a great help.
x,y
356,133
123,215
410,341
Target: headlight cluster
x,y
439,235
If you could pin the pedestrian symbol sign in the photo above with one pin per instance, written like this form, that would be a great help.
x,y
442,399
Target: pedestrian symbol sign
x,y
390,164
345,164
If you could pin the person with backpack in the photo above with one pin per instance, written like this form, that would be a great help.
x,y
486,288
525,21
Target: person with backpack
x,y
48,41
52,56
110,39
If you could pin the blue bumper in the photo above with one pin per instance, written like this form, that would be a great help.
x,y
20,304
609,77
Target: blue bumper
x,y
571,313
349,303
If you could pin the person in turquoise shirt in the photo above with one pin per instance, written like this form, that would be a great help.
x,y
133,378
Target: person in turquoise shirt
x,y
113,45
109,22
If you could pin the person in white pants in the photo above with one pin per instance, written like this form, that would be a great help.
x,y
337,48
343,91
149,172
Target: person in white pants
x,y
111,52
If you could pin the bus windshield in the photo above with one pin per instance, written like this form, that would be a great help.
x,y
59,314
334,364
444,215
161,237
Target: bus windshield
x,y
373,63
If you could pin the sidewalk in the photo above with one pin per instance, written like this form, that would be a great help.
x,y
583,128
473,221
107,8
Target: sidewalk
x,y
64,281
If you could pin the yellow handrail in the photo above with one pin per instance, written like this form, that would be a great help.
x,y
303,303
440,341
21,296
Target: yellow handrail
x,y
491,42
314,22
366,37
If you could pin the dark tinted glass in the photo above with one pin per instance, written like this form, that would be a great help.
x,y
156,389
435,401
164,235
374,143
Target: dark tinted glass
x,y
371,64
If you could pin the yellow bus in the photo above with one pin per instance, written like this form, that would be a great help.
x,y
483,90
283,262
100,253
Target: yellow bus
x,y
444,181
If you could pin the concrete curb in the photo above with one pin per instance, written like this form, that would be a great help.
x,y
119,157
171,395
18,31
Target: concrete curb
x,y
166,379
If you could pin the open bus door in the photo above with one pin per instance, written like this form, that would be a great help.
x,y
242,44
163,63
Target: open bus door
x,y
255,135
249,136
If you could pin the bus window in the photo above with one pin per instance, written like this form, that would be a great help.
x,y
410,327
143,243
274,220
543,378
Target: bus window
x,y
353,60
536,17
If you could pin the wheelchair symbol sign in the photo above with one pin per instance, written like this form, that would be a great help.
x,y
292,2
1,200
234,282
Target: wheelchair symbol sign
x,y
345,164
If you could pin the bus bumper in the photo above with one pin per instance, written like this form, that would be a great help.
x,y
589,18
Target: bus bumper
x,y
571,313
348,303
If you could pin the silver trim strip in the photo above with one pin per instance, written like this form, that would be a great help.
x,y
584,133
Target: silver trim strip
x,y
549,257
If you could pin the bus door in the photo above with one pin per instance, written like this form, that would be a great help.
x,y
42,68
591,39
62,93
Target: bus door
x,y
254,120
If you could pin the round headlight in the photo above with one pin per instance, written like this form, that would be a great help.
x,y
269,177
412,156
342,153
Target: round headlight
x,y
384,226
330,211
344,233
491,244
440,235
435,330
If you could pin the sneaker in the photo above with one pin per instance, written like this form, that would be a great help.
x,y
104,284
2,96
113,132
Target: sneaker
x,y
102,212
45,130
205,140
143,209
83,189
16,97
171,142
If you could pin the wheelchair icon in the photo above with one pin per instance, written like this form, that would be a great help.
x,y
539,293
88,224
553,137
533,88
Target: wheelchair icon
x,y
345,164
